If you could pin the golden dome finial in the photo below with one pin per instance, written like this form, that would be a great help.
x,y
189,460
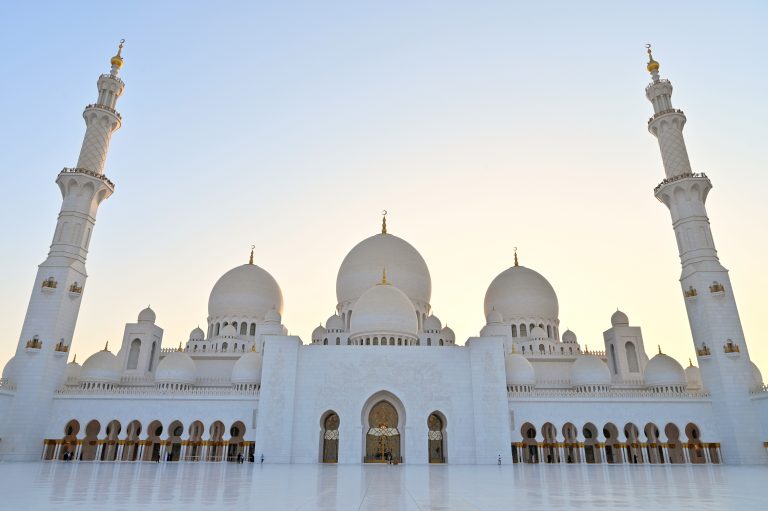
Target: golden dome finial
x,y
106,346
117,60
659,345
179,348
516,263
652,64
250,260
74,360
690,364
384,222
384,276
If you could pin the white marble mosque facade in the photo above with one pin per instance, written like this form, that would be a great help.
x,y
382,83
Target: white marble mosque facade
x,y
383,379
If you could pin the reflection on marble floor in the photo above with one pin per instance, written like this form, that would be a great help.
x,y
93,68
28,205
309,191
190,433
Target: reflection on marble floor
x,y
191,486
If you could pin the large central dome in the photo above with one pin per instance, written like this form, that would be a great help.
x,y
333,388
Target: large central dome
x,y
520,292
245,291
362,268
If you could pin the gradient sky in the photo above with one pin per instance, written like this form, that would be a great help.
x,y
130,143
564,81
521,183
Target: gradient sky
x,y
480,126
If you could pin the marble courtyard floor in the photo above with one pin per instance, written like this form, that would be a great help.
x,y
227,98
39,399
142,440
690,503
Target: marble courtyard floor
x,y
192,486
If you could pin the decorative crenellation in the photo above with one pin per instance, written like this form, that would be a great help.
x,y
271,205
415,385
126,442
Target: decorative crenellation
x,y
50,283
76,288
664,112
703,351
699,175
716,287
79,170
61,347
730,347
690,292
35,343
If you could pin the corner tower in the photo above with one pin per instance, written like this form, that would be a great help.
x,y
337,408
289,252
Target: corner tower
x,y
709,298
49,324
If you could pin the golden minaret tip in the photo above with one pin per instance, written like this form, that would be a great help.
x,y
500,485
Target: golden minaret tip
x,y
117,60
384,222
106,346
652,64
250,260
516,263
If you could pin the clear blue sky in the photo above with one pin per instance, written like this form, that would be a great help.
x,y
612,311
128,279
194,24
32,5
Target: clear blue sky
x,y
480,126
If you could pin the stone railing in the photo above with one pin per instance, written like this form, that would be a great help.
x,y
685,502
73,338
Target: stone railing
x,y
699,175
661,80
665,112
78,170
105,107
608,394
155,391
110,75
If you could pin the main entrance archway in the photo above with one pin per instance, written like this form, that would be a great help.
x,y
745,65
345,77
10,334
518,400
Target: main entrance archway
x,y
382,440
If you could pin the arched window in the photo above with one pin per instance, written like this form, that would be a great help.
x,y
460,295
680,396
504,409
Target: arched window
x,y
429,341
613,360
243,328
523,331
549,331
325,342
152,356
632,357
331,438
338,341
218,328
224,346
435,439
514,330
234,325
542,350
253,329
133,355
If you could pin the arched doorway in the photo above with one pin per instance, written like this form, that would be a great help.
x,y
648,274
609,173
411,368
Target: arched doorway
x,y
131,449
382,440
235,447
531,447
634,452
551,451
654,450
436,437
91,441
612,446
571,443
69,442
216,443
153,442
194,449
173,445
591,445
674,446
330,440
695,447
109,450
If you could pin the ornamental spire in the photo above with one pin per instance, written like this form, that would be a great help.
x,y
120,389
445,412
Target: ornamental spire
x,y
250,260
106,346
117,60
384,222
653,66
516,263
384,277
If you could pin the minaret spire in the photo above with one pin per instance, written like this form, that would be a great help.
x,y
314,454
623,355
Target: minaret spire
x,y
705,285
384,222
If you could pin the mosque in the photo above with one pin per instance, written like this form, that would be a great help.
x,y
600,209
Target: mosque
x,y
244,390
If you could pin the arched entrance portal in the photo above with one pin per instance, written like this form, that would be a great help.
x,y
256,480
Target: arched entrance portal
x,y
331,438
436,438
382,441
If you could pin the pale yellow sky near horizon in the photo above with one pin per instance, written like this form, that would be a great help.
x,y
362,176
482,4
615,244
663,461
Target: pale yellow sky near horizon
x,y
475,137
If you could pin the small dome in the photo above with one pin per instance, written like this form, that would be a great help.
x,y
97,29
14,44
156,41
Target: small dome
x,y
757,377
147,315
493,317
73,371
272,316
432,324
537,333
589,370
101,367
246,291
520,292
496,330
693,377
247,369
619,319
318,333
176,367
197,334
569,337
519,370
228,331
448,334
9,371
384,309
362,267
335,323
663,370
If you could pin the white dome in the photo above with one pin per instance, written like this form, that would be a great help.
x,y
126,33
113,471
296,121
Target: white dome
x,y
519,370
619,319
493,317
228,331
335,323
520,292
245,291
362,268
72,372
448,333
757,377
432,324
384,309
197,334
272,316
9,371
176,367
569,337
589,370
496,330
537,333
693,376
101,367
663,370
247,369
318,333
147,315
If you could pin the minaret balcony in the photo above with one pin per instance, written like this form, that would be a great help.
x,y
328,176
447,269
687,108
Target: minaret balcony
x,y
78,170
665,112
104,107
692,175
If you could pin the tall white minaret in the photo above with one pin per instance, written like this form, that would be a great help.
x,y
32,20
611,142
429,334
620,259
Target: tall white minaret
x,y
709,298
49,324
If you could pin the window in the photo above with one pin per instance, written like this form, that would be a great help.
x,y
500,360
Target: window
x,y
152,356
243,328
133,355
253,329
632,357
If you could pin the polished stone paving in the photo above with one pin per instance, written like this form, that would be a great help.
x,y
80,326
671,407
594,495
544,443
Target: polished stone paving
x,y
192,486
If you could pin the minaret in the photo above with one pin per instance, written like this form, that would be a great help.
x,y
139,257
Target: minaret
x,y
706,288
49,324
